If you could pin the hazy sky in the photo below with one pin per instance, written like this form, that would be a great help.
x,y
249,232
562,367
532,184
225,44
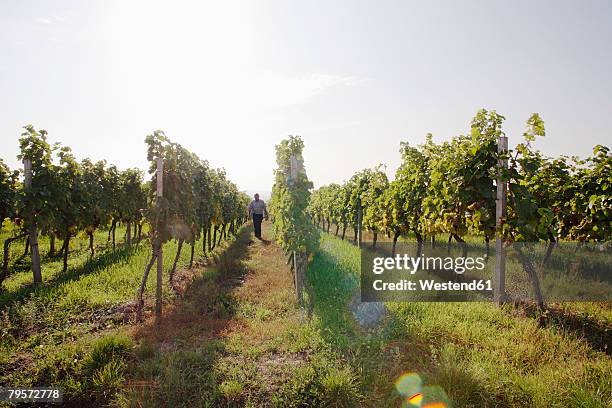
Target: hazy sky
x,y
228,80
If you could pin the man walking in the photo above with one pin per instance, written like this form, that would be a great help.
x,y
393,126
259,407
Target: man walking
x,y
257,211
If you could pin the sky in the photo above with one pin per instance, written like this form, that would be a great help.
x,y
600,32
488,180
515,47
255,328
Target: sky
x,y
229,80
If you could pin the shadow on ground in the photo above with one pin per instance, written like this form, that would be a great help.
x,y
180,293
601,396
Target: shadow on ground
x,y
98,262
175,357
379,355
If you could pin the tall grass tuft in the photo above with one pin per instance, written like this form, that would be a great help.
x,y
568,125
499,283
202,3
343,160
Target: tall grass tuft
x,y
107,349
339,388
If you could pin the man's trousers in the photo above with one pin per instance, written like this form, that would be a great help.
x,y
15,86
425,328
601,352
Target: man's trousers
x,y
257,218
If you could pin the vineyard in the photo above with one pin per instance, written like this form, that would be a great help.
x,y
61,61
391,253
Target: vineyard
x,y
453,190
450,188
85,205
64,199
233,321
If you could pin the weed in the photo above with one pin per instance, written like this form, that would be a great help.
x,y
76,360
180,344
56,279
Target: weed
x,y
108,379
231,390
339,388
110,348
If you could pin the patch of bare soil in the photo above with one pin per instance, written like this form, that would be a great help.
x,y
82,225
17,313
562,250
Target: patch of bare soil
x,y
204,305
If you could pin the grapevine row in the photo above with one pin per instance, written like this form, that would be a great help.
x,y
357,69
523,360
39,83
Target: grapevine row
x,y
67,197
451,188
293,227
196,202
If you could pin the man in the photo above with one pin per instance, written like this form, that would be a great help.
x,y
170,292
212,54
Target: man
x,y
257,211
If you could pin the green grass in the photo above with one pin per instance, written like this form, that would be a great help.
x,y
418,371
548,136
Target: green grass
x,y
254,351
480,355
236,337
51,334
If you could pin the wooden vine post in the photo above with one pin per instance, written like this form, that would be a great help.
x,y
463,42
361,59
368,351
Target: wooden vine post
x,y
359,223
33,233
499,294
298,267
160,262
298,256
156,253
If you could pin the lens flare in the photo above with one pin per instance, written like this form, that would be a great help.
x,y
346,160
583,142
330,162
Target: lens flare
x,y
416,399
409,384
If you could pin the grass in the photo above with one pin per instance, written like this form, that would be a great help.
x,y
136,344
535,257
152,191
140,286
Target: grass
x,y
240,340
52,334
480,355
234,336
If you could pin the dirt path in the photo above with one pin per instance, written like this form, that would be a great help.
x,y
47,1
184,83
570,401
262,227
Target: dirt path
x,y
243,291
266,297
239,320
